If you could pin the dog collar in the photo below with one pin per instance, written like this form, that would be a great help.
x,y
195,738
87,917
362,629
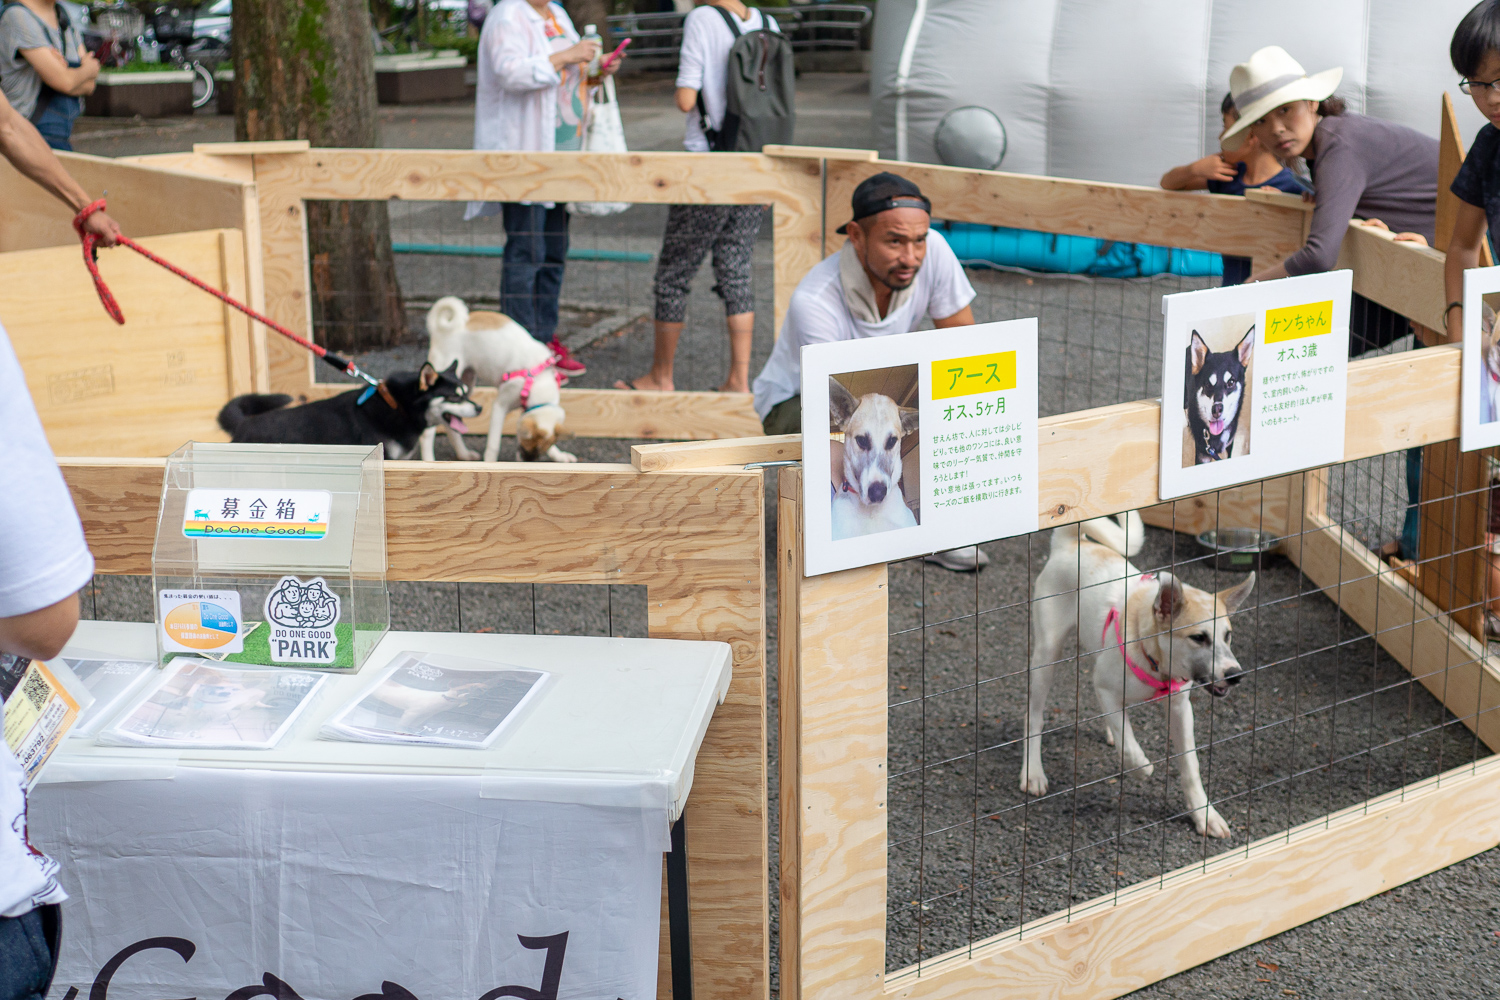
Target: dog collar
x,y
1149,678
385,394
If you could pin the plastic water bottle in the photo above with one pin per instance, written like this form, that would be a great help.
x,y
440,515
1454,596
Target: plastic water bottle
x,y
595,72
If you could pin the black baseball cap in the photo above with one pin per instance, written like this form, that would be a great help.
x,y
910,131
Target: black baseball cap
x,y
883,192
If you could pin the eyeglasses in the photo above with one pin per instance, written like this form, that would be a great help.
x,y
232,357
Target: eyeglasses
x,y
1470,86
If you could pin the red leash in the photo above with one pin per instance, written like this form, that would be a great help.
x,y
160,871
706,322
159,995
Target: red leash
x,y
91,261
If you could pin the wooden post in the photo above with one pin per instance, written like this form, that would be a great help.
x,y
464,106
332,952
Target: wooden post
x,y
1453,564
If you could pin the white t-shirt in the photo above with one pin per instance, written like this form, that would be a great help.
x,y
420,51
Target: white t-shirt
x,y
704,65
817,315
43,559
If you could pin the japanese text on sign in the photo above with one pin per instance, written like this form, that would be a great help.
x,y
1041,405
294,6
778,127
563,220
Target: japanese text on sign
x,y
299,514
1312,319
974,374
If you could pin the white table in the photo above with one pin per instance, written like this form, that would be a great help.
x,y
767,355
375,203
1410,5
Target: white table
x,y
334,867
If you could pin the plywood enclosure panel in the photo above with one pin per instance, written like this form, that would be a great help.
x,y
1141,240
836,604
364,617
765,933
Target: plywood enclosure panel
x,y
1402,276
285,180
1106,211
611,413
146,387
694,539
145,200
1259,506
839,631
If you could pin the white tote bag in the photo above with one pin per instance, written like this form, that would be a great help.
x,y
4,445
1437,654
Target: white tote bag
x,y
603,133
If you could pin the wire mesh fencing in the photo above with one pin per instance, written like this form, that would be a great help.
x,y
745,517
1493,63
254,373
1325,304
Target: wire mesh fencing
x,y
1322,718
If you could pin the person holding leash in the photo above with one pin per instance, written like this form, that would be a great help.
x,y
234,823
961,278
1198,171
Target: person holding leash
x,y
44,562
532,95
892,273
44,69
1366,167
693,230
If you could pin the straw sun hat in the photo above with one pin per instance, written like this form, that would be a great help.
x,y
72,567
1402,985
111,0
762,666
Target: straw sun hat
x,y
1270,79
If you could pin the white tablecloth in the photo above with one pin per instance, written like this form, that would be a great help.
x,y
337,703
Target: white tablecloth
x,y
339,867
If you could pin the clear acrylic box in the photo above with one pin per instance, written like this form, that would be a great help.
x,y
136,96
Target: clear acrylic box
x,y
272,554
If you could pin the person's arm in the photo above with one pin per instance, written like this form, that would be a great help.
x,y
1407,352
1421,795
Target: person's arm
x,y
1196,175
509,51
40,634
28,152
690,60
57,74
1341,183
1463,253
964,317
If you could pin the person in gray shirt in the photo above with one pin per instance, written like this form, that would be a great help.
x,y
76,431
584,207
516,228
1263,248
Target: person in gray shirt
x,y
44,68
1377,170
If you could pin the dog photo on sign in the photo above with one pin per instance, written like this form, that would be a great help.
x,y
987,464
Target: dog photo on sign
x,y
1489,371
874,470
1216,383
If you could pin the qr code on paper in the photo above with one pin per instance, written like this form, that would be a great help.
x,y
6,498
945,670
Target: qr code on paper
x,y
36,689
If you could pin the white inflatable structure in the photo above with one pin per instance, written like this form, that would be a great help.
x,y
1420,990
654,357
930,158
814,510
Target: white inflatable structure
x,y
1122,90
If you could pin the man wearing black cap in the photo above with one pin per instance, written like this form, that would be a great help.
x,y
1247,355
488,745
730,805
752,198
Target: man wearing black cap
x,y
891,274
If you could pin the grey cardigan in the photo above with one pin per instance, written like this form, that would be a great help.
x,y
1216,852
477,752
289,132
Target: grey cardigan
x,y
1373,169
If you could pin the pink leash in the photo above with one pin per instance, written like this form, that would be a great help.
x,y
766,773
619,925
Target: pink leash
x,y
1161,687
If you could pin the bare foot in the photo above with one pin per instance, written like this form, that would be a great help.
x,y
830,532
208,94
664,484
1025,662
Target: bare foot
x,y
644,384
733,386
1389,549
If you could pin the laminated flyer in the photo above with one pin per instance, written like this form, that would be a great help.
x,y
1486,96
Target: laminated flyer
x,y
932,443
198,703
1254,381
111,681
42,702
438,699
1480,392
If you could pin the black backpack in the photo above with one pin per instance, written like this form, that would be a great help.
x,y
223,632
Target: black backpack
x,y
760,88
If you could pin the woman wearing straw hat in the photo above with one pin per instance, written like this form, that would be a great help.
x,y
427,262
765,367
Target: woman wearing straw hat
x,y
1366,167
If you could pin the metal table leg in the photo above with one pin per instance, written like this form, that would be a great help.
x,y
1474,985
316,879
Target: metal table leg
x,y
679,920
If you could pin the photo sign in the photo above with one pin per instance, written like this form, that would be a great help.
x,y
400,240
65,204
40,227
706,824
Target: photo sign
x,y
1254,382
931,443
1480,393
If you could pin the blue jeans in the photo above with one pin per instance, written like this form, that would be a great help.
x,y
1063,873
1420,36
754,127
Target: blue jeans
x,y
536,251
1411,524
28,953
55,121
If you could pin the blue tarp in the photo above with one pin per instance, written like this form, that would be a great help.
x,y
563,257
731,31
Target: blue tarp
x,y
1037,251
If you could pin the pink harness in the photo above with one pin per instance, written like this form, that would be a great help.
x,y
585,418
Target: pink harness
x,y
1161,687
530,374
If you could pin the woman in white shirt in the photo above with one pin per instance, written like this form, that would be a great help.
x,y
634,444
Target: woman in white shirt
x,y
693,230
531,95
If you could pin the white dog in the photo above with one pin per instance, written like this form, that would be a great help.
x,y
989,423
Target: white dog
x,y
493,349
869,497
1154,636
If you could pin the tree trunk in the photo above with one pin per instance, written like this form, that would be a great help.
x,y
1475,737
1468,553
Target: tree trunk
x,y
305,69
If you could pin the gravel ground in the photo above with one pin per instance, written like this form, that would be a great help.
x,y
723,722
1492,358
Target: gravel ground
x,y
1325,719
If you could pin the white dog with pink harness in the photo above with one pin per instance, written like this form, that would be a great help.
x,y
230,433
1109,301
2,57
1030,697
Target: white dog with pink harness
x,y
1158,639
493,349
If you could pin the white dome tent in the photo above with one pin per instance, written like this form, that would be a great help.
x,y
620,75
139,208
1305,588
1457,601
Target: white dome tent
x,y
1104,90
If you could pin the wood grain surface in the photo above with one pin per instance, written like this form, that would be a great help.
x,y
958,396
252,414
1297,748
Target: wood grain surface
x,y
1220,223
146,387
694,539
837,769
705,454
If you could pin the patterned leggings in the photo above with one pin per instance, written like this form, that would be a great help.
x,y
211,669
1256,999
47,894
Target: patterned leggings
x,y
692,230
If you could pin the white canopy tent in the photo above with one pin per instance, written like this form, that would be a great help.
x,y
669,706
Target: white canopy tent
x,y
1105,90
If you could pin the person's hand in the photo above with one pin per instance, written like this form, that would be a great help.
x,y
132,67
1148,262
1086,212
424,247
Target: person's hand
x,y
88,62
608,69
1212,168
582,51
1416,238
102,226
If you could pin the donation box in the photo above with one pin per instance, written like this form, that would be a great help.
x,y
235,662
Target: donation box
x,y
271,554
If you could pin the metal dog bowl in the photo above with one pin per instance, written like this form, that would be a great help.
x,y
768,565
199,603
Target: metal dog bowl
x,y
1238,549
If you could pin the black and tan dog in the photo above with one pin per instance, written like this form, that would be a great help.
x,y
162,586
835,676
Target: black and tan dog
x,y
1213,395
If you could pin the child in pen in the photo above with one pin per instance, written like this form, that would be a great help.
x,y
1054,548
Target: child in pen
x,y
1250,166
